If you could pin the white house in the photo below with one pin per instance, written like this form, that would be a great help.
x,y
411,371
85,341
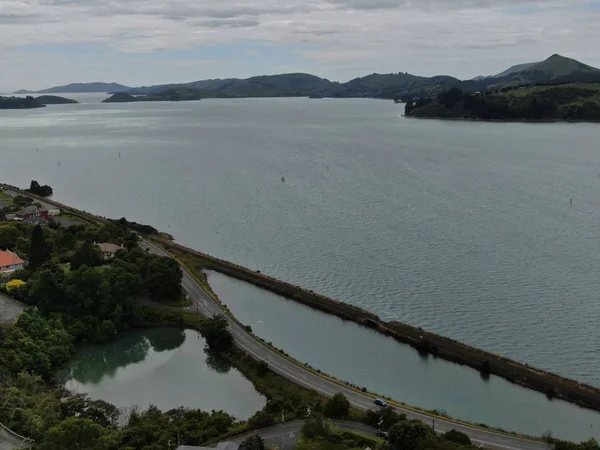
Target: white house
x,y
9,262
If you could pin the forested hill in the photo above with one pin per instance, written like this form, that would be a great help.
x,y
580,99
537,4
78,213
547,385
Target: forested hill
x,y
31,102
569,102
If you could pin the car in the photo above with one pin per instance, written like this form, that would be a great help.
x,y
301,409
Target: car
x,y
382,434
380,402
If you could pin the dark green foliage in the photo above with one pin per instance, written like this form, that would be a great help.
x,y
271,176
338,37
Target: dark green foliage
x,y
163,278
590,444
19,103
99,411
383,418
74,433
457,437
337,406
217,336
42,191
21,201
553,103
86,255
261,419
39,252
67,242
408,434
315,426
140,228
253,442
35,345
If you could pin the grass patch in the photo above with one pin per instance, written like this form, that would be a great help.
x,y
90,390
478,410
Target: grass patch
x,y
344,440
181,302
6,198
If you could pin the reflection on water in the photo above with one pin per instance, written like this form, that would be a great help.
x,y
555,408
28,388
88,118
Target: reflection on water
x,y
367,358
163,367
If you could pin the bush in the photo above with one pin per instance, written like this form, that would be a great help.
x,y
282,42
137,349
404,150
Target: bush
x,y
458,437
337,406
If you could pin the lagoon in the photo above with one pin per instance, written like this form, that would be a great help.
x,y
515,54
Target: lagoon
x,y
165,367
367,358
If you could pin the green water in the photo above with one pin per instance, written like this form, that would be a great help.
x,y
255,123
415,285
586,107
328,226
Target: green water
x,y
164,367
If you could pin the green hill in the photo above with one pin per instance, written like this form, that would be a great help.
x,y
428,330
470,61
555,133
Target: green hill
x,y
54,100
568,102
170,95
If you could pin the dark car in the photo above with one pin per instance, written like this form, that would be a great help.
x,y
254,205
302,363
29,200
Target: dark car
x,y
382,434
380,402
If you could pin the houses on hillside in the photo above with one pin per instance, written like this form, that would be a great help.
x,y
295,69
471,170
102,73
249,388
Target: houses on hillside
x,y
9,262
109,250
34,214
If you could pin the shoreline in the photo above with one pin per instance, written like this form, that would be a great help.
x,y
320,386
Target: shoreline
x,y
472,119
553,385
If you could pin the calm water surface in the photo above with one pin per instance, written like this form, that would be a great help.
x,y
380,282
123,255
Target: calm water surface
x,y
367,358
167,368
464,229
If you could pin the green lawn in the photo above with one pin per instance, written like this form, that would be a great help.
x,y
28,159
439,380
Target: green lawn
x,y
530,90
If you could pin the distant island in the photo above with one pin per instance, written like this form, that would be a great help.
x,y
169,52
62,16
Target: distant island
x,y
30,102
170,95
79,88
568,102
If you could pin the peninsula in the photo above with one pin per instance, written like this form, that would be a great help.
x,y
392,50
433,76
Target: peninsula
x,y
30,102
566,102
170,95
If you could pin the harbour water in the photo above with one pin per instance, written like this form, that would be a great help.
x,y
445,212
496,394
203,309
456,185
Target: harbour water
x,y
464,229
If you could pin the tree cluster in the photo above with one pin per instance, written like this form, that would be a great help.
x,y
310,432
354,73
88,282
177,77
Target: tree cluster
x,y
42,191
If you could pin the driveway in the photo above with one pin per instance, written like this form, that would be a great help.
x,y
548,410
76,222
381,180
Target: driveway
x,y
9,310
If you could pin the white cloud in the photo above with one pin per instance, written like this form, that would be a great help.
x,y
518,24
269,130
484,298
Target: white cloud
x,y
337,38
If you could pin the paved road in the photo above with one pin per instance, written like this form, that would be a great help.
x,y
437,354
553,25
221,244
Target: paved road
x,y
9,442
205,305
285,436
9,310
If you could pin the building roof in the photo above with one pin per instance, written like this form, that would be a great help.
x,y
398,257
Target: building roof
x,y
9,259
29,210
107,247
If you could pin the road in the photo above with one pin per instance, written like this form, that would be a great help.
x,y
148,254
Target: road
x,y
285,436
205,305
10,442
9,310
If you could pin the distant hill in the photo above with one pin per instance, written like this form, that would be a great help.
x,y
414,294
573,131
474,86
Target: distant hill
x,y
513,69
555,69
79,88
400,85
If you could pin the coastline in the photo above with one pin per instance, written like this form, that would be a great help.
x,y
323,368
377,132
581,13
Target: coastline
x,y
553,385
472,119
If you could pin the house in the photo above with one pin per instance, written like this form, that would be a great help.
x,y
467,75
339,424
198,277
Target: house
x,y
109,250
9,262
54,212
33,214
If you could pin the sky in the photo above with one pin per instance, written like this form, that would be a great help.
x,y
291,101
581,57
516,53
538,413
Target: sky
x,y
44,43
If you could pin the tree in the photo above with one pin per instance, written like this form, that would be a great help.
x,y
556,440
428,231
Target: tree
x,y
163,278
253,442
315,426
337,406
384,418
42,191
86,255
408,434
218,337
39,252
74,433
457,437
67,242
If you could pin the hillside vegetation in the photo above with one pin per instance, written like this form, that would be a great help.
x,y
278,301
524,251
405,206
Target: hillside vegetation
x,y
569,102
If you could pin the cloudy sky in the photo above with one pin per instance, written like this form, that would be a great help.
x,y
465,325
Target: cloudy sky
x,y
136,42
